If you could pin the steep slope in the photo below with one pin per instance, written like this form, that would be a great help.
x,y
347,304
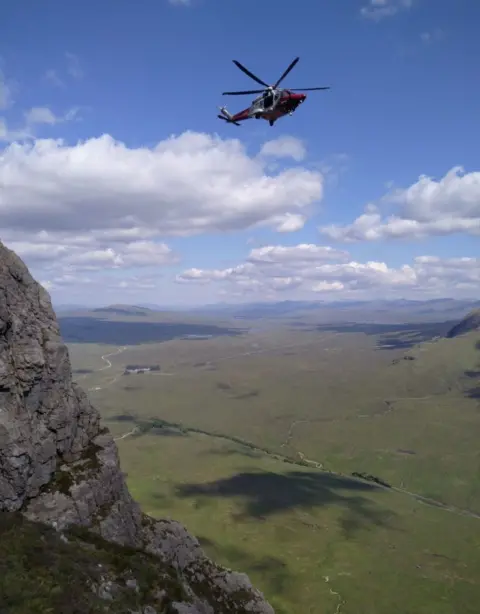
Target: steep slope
x,y
468,324
58,466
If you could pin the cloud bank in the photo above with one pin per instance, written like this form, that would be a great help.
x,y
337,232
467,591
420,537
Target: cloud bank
x,y
325,271
428,207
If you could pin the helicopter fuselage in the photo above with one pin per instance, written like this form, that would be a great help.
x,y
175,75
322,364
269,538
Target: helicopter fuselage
x,y
274,102
272,106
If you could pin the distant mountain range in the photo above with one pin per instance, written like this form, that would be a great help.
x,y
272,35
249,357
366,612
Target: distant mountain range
x,y
377,310
402,310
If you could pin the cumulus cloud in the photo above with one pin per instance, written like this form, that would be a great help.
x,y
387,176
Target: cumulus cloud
x,y
284,147
379,9
428,207
76,213
323,270
185,185
297,255
44,115
7,134
92,252
101,287
32,118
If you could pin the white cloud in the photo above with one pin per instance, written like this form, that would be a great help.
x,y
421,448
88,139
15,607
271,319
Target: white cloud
x,y
379,9
90,252
34,117
296,255
289,222
98,288
321,270
284,147
428,207
7,135
185,185
101,210
40,115
44,115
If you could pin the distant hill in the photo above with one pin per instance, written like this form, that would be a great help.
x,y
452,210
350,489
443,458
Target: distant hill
x,y
65,308
400,311
377,311
127,310
469,323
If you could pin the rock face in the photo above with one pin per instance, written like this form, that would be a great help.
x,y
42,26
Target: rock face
x,y
469,323
60,467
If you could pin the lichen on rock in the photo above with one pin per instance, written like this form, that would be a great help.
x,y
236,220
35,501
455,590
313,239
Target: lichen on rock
x,y
59,467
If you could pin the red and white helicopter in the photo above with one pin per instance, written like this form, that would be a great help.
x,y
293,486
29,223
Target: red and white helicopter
x,y
273,103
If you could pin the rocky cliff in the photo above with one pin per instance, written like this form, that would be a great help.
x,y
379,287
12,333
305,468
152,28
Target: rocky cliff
x,y
60,468
468,324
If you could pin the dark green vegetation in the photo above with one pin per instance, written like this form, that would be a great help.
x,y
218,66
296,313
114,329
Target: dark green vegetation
x,y
98,330
251,440
42,572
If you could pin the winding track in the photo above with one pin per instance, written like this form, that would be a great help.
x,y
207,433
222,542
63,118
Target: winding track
x,y
108,365
315,465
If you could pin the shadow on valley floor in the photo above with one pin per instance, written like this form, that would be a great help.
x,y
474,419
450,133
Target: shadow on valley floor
x,y
474,393
93,330
266,493
394,336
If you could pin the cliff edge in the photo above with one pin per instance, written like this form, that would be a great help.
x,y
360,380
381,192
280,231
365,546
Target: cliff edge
x,y
468,324
59,468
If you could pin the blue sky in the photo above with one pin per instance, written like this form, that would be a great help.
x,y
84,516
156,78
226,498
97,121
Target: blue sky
x,y
403,104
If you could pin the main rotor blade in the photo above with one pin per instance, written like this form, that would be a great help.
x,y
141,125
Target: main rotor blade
x,y
250,74
241,93
286,72
307,89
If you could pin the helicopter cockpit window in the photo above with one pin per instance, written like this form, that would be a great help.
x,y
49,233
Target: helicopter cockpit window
x,y
268,99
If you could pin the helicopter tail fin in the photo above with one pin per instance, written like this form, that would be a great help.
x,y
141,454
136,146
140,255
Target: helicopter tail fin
x,y
226,116
225,113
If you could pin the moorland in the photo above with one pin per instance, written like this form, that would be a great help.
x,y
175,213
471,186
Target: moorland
x,y
333,459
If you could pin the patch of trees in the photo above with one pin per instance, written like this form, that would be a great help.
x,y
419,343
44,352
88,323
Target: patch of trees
x,y
406,357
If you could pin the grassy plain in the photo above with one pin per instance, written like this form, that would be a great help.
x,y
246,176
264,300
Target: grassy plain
x,y
315,543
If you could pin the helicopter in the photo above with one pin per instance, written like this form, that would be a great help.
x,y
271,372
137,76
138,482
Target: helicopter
x,y
273,102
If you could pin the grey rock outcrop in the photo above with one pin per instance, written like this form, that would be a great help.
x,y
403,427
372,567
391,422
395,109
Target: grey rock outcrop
x,y
60,467
469,323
